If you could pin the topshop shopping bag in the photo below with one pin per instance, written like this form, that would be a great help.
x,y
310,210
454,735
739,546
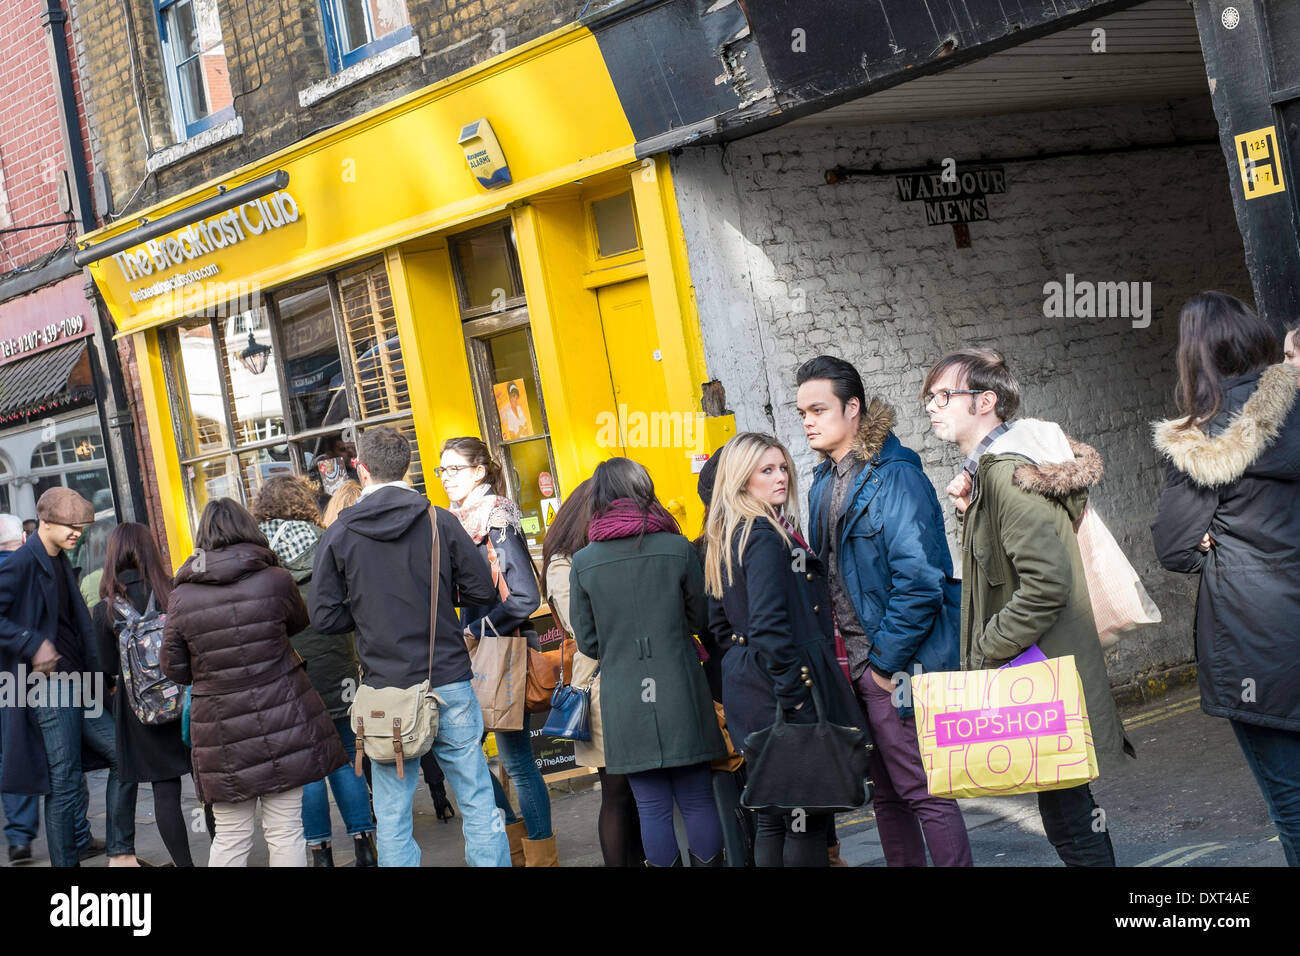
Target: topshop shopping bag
x,y
997,732
500,666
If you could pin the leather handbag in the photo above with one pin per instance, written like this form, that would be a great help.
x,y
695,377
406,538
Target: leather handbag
x,y
396,724
544,670
820,768
570,709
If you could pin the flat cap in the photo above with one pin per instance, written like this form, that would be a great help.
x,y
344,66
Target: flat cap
x,y
65,506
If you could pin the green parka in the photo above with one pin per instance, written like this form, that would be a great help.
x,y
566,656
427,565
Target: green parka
x,y
331,658
1023,580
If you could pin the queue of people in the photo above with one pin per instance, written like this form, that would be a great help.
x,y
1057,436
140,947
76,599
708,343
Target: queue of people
x,y
688,652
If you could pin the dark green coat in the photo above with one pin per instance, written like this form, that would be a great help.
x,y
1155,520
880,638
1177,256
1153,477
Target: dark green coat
x,y
331,658
1023,581
636,609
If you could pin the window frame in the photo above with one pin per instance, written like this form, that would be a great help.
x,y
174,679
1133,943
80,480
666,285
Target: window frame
x,y
339,60
182,128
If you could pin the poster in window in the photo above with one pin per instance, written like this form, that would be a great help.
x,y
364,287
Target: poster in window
x,y
512,410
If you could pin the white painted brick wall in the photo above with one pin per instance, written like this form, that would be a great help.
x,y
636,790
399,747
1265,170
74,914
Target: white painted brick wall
x,y
877,286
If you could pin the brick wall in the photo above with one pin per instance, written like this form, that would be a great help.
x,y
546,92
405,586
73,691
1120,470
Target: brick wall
x,y
273,51
786,267
31,151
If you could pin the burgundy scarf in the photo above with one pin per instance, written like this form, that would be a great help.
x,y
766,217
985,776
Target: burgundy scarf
x,y
622,519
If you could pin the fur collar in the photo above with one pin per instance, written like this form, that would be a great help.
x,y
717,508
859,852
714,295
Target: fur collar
x,y
1223,459
1062,479
873,428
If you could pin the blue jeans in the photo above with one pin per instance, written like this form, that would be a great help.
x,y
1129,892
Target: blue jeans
x,y
692,789
458,749
350,794
65,730
22,814
1274,759
516,752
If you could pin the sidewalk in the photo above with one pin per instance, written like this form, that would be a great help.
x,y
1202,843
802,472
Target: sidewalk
x,y
1188,799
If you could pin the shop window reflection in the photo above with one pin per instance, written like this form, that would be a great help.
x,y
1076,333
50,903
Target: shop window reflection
x,y
197,401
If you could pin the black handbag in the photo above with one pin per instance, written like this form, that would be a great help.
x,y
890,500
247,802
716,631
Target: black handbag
x,y
820,768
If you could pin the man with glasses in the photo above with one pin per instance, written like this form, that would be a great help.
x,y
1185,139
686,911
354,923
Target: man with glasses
x,y
874,518
45,629
1023,582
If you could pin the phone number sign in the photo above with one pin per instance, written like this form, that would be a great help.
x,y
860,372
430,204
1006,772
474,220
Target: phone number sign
x,y
43,337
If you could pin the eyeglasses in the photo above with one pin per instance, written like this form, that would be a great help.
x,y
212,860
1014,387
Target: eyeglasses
x,y
451,471
940,398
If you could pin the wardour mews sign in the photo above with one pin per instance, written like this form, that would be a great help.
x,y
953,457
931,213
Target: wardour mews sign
x,y
200,239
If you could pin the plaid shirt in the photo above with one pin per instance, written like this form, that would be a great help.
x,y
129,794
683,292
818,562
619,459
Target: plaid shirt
x,y
297,537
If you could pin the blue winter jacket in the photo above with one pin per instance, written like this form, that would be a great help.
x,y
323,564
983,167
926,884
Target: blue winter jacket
x,y
893,554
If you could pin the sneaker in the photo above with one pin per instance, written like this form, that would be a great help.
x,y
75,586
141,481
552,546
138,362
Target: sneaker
x,y
20,853
95,847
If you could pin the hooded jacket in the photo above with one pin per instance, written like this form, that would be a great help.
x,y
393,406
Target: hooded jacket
x,y
257,725
371,576
1238,478
893,554
1023,581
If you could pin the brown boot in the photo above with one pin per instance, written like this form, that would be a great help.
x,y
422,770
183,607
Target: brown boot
x,y
515,834
833,852
541,852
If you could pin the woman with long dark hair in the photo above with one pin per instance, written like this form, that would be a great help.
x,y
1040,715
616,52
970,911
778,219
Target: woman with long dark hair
x,y
1229,513
259,729
618,825
477,492
636,602
154,754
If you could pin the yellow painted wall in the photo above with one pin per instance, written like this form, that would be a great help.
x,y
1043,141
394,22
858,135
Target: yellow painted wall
x,y
162,441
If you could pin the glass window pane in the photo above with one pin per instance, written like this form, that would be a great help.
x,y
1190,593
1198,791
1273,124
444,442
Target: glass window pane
x,y
252,378
483,262
328,461
5,506
193,94
514,389
92,484
370,325
256,467
90,551
209,480
526,461
197,404
615,224
352,24
313,370
387,16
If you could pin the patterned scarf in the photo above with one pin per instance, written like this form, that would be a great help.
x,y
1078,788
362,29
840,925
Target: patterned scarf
x,y
482,510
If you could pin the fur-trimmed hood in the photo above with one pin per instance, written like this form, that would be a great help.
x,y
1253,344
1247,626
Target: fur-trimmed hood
x,y
1224,455
1062,466
874,428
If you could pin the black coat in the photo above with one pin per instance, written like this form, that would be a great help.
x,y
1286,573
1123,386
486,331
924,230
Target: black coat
x,y
29,615
1239,479
371,576
779,604
516,566
144,753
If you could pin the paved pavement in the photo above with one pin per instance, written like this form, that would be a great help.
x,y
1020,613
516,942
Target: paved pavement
x,y
1188,799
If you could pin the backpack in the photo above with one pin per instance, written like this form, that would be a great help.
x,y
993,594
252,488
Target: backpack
x,y
155,698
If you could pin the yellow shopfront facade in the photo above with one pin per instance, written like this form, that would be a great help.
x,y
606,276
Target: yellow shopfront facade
x,y
552,316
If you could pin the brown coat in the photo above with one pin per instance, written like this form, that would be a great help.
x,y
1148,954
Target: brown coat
x,y
257,725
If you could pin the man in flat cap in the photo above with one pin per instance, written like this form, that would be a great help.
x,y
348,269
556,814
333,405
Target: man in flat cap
x,y
45,629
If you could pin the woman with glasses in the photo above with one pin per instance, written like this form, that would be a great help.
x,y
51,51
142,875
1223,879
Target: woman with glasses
x,y
476,489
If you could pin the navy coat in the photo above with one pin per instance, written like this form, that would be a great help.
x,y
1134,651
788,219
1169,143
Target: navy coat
x,y
28,615
778,603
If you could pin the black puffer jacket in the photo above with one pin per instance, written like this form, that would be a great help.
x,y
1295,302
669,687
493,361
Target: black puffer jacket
x,y
257,725
1239,479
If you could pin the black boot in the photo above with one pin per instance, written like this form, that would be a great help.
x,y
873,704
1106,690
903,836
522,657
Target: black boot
x,y
442,808
677,861
322,855
713,861
365,849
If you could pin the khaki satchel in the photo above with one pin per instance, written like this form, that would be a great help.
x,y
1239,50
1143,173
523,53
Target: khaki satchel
x,y
396,724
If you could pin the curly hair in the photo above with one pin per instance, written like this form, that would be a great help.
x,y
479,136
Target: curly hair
x,y
287,497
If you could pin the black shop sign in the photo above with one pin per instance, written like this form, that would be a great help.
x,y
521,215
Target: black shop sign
x,y
952,195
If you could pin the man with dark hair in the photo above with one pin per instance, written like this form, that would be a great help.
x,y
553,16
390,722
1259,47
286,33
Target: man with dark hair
x,y
1023,581
45,630
874,518
372,576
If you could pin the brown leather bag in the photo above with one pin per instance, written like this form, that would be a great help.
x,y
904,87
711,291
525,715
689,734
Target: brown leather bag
x,y
545,669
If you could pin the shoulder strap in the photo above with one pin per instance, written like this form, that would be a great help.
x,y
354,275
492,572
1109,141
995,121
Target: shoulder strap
x,y
435,572
278,531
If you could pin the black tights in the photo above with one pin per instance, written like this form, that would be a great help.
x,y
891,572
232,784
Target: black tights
x,y
171,820
792,839
619,825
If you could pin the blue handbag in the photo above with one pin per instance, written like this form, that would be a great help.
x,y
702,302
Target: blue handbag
x,y
185,717
570,717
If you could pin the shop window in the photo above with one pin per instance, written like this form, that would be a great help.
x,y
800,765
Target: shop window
x,y
615,222
358,29
194,55
76,460
6,500
487,271
269,391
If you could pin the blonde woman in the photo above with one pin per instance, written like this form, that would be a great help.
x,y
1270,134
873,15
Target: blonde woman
x,y
770,610
347,494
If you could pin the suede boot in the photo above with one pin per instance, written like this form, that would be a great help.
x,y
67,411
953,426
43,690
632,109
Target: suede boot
x,y
515,833
540,852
